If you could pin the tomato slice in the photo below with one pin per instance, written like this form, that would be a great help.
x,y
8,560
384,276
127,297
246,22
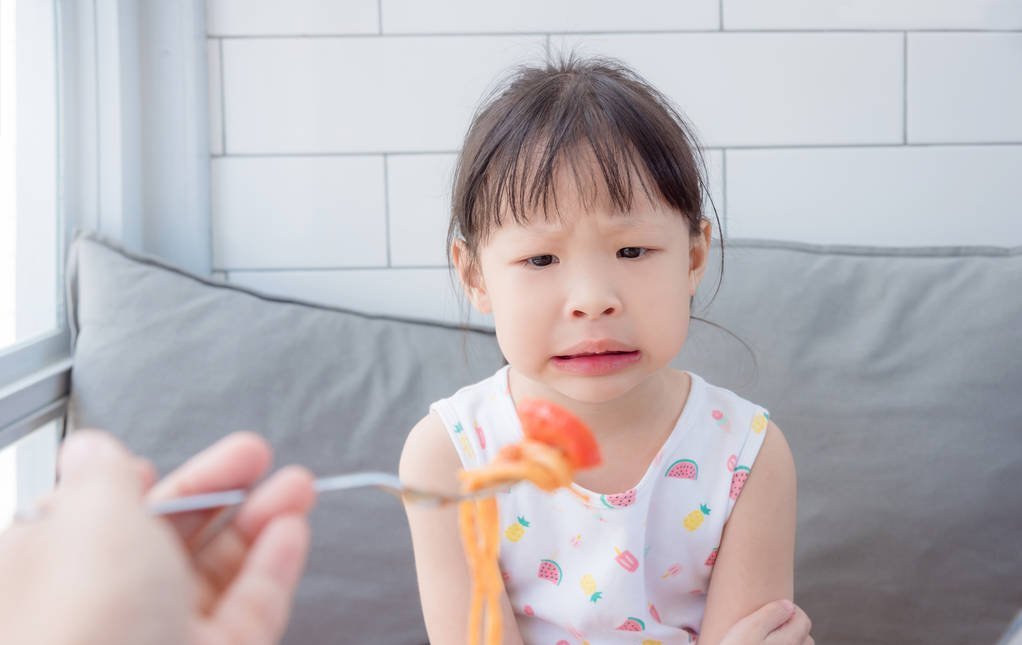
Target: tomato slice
x,y
553,425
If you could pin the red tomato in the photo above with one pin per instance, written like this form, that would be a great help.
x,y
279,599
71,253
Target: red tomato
x,y
553,425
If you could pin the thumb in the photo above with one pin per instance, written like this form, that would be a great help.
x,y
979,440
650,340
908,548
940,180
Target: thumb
x,y
93,457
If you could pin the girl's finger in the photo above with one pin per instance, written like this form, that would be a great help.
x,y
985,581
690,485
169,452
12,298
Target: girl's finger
x,y
793,632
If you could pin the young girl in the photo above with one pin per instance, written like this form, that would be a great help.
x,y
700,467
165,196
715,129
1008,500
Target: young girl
x,y
577,222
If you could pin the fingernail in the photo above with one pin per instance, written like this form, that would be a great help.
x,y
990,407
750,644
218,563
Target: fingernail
x,y
788,605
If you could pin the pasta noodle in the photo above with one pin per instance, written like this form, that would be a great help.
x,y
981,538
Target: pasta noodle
x,y
556,444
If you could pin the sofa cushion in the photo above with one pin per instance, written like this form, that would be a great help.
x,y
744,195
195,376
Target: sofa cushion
x,y
894,373
170,362
896,376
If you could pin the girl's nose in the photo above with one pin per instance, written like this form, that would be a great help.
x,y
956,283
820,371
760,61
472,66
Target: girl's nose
x,y
593,299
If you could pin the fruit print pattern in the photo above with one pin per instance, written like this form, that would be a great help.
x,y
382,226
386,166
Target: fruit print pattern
x,y
588,584
738,479
550,570
463,441
632,625
621,500
723,421
695,519
516,531
759,422
615,537
683,469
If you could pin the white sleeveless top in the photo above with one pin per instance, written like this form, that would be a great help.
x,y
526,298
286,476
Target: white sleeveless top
x,y
631,567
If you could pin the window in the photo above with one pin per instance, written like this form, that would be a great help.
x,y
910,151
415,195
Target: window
x,y
33,338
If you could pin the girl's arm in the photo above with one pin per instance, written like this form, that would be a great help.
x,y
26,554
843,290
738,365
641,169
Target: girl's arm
x,y
430,460
756,560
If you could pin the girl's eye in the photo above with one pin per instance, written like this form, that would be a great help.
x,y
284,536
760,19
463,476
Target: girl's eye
x,y
541,260
631,252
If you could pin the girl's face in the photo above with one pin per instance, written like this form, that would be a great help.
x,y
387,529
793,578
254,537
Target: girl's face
x,y
593,303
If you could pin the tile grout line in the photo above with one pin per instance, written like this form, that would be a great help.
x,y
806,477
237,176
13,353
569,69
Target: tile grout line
x,y
723,188
632,32
386,205
807,146
223,102
379,17
904,89
721,27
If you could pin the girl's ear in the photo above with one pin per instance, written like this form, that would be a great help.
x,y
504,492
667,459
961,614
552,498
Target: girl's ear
x,y
471,277
699,253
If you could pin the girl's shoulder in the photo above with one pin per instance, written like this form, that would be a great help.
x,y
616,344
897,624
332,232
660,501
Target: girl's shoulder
x,y
479,419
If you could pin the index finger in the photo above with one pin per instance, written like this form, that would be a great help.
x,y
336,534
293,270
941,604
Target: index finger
x,y
238,460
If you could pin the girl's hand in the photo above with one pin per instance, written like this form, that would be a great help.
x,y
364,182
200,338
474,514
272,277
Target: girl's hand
x,y
777,623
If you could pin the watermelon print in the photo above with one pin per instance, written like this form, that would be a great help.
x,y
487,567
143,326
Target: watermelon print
x,y
550,570
683,469
712,560
621,500
738,480
632,625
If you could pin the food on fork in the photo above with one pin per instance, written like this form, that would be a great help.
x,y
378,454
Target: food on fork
x,y
556,444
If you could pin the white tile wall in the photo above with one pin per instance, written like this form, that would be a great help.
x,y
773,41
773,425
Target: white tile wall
x,y
298,212
872,14
891,196
474,16
965,87
291,17
426,294
770,89
887,122
334,95
419,197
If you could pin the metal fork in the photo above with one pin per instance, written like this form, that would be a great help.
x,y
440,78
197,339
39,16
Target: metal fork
x,y
384,481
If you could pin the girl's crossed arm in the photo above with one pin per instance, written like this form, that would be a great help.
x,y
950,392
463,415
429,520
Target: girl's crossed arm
x,y
756,561
430,460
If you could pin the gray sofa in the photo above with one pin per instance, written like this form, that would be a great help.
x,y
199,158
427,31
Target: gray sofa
x,y
896,375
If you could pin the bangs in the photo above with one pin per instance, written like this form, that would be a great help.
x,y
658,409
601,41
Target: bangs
x,y
594,123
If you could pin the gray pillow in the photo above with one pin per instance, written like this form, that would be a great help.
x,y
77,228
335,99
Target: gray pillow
x,y
170,362
895,374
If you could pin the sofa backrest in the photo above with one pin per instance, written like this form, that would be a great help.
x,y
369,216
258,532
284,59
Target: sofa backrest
x,y
896,375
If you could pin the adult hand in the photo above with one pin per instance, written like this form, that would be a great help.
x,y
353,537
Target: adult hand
x,y
97,567
781,622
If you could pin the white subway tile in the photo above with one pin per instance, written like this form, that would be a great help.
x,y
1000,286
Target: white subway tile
x,y
419,193
400,94
293,17
884,196
216,123
468,16
426,294
779,89
872,14
419,189
965,87
280,212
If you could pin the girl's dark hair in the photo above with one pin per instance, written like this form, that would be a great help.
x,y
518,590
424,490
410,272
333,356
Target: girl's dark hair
x,y
555,113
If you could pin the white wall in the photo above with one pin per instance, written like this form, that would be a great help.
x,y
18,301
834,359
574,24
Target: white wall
x,y
334,125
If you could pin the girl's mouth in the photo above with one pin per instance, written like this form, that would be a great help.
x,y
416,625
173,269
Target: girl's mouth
x,y
596,364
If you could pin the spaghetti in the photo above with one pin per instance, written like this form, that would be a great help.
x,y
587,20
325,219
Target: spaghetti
x,y
556,444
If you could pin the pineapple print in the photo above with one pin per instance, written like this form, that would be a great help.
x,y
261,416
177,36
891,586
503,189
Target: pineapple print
x,y
515,531
466,445
759,422
695,519
588,584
